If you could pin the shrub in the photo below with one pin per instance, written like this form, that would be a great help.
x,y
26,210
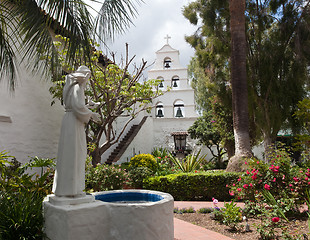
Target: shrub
x,y
105,177
160,152
21,215
184,210
232,215
205,210
137,175
193,186
143,160
278,184
279,176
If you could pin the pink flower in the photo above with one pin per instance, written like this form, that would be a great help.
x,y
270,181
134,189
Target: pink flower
x,y
257,162
308,183
295,179
234,185
277,167
267,187
215,201
283,177
253,177
239,179
245,163
245,186
247,172
291,185
251,185
275,219
306,178
239,189
274,180
231,193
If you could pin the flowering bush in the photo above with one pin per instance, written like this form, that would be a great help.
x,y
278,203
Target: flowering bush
x,y
137,175
278,176
106,177
272,191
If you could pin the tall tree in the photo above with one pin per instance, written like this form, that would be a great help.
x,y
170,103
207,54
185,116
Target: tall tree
x,y
239,84
28,23
277,81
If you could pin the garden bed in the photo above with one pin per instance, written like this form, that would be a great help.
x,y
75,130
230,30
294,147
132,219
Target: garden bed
x,y
299,226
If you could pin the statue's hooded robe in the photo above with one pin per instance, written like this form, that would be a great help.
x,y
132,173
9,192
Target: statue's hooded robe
x,y
69,177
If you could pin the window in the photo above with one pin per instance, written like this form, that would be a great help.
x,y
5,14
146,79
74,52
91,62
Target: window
x,y
167,63
179,141
175,82
178,109
159,110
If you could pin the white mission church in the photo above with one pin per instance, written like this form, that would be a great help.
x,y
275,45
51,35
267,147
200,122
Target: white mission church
x,y
30,126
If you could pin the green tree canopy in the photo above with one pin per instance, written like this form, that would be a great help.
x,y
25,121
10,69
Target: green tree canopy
x,y
277,34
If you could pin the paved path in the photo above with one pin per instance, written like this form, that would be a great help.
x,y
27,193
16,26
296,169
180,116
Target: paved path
x,y
187,231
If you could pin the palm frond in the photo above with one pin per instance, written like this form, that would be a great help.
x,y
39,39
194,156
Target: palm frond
x,y
8,40
115,17
40,20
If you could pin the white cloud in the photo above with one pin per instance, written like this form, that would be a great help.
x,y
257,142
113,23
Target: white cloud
x,y
156,19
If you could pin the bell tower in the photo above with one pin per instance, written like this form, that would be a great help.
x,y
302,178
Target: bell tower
x,y
174,112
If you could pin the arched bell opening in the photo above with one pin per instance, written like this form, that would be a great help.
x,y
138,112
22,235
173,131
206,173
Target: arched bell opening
x,y
178,108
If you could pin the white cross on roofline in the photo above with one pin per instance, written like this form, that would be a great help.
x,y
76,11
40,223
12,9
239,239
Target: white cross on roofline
x,y
167,38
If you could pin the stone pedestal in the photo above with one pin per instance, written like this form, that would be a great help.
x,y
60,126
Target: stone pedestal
x,y
73,219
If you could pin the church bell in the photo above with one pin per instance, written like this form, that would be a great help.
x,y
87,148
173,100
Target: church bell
x,y
175,84
179,113
160,113
161,84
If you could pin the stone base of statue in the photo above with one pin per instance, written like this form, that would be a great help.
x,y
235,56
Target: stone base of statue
x,y
72,218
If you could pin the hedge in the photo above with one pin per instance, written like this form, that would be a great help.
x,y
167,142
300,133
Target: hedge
x,y
194,186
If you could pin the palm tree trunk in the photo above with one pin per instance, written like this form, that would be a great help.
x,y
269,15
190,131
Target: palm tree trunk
x,y
239,85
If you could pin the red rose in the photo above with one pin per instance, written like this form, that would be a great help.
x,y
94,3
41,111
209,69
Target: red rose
x,y
267,187
275,219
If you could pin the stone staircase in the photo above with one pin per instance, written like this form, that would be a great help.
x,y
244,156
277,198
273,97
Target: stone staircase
x,y
124,143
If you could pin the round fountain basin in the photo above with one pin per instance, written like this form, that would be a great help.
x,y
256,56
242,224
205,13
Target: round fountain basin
x,y
129,197
136,214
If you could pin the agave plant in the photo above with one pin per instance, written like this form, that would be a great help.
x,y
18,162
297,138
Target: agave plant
x,y
190,163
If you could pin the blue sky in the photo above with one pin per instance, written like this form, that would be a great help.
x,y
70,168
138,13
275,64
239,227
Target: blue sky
x,y
156,19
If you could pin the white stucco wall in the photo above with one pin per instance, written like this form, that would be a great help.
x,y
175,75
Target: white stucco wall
x,y
35,126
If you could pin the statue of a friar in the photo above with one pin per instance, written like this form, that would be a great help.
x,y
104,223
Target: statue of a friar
x,y
69,180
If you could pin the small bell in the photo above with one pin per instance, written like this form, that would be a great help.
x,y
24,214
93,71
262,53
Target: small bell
x,y
175,84
161,85
179,113
160,113
167,65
